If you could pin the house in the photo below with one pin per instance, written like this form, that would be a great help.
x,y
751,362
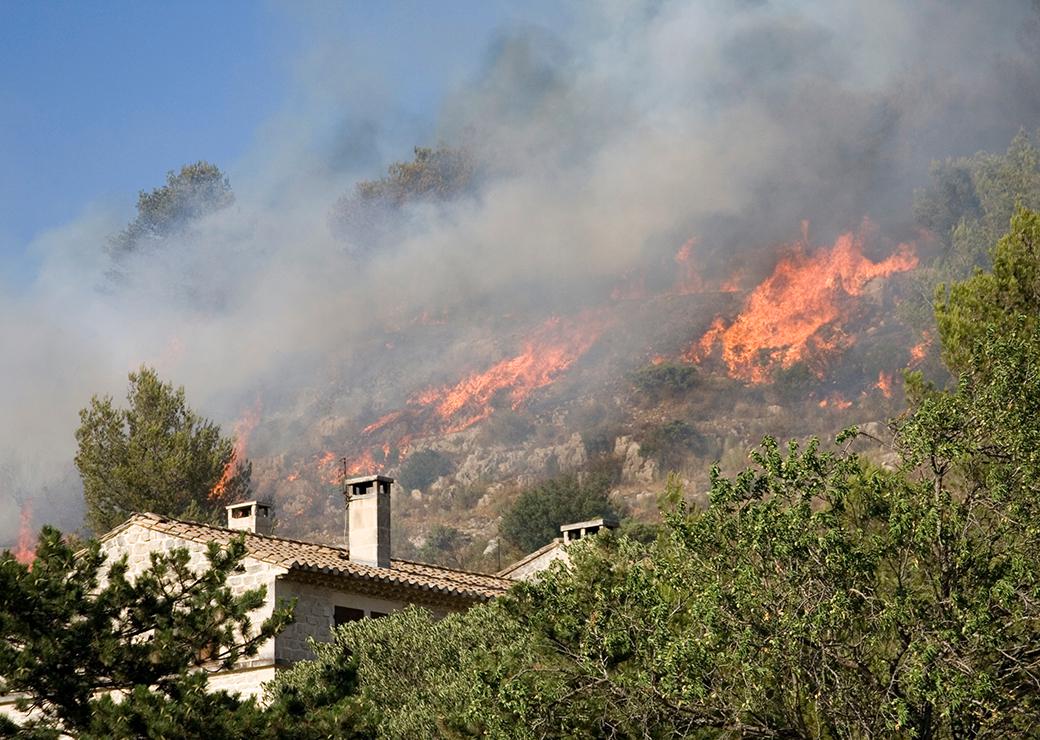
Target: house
x,y
332,583
530,566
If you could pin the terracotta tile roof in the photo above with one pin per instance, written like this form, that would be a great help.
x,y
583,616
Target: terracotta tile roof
x,y
508,570
311,557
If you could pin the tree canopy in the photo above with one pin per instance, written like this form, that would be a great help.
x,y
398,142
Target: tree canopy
x,y
536,515
155,455
366,216
77,628
195,191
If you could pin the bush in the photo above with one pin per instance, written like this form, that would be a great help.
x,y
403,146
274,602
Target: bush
x,y
535,517
668,380
671,443
422,468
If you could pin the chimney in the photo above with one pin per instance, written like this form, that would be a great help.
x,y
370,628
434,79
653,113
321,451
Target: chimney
x,y
368,519
573,532
251,516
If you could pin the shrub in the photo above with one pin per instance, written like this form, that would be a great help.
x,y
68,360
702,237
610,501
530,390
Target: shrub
x,y
668,380
535,517
422,468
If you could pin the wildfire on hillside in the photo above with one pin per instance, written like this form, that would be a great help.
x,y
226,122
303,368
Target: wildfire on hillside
x,y
884,383
544,355
24,551
799,309
920,350
243,429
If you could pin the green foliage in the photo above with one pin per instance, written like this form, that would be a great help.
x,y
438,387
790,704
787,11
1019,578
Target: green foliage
x,y
664,381
198,190
366,216
536,515
422,468
445,546
968,206
996,300
157,455
412,675
75,629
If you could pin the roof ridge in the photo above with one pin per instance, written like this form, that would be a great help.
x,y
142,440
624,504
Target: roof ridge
x,y
152,518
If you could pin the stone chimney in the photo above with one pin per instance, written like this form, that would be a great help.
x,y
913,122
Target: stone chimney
x,y
573,532
251,516
368,519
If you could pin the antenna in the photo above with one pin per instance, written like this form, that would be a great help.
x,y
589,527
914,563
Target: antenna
x,y
346,500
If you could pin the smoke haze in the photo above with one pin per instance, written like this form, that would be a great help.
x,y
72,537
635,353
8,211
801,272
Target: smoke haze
x,y
604,144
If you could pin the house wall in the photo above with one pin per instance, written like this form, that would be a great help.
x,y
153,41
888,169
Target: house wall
x,y
530,569
138,542
314,615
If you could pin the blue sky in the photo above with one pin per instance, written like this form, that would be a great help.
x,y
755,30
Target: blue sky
x,y
98,100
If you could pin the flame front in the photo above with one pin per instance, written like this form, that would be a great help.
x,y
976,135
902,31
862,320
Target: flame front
x,y
545,354
784,317
884,383
24,551
243,429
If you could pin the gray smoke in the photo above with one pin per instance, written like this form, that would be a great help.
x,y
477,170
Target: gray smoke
x,y
606,142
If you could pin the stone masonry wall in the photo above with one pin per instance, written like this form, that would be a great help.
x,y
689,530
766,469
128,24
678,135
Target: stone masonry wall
x,y
315,607
138,542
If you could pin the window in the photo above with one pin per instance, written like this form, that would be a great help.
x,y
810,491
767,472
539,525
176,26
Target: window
x,y
376,615
344,614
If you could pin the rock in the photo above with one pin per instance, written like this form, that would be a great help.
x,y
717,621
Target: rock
x,y
634,467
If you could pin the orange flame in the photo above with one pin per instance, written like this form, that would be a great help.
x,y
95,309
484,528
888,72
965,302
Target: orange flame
x,y
884,383
837,401
243,429
545,354
24,551
783,317
920,350
688,279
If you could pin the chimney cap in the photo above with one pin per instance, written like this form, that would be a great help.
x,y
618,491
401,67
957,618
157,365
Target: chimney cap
x,y
606,521
251,502
368,479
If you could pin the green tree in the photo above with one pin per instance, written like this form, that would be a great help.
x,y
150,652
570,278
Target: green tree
x,y
536,515
998,300
198,190
76,628
156,455
967,206
367,216
446,546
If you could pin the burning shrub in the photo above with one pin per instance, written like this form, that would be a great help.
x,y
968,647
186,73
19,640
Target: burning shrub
x,y
424,467
667,380
535,517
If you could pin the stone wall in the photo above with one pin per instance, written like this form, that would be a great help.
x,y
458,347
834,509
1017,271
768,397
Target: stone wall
x,y
138,542
315,607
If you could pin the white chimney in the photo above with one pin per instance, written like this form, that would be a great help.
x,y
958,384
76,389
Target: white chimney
x,y
251,516
368,519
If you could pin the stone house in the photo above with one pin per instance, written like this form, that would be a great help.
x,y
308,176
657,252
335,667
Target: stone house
x,y
331,583
531,565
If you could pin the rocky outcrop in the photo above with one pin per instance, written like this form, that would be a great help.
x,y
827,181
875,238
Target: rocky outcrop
x,y
634,467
